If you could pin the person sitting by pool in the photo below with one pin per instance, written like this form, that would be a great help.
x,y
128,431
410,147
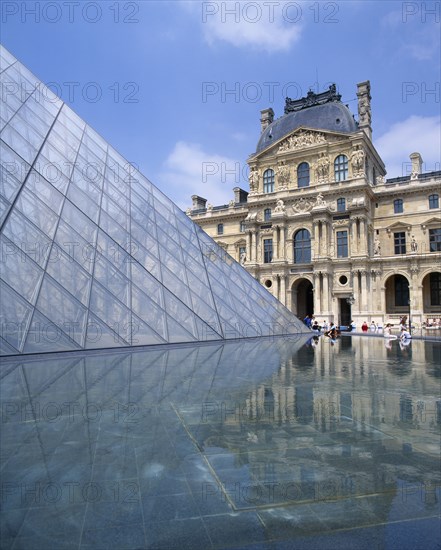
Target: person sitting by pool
x,y
405,334
373,326
388,331
332,331
364,326
352,326
315,326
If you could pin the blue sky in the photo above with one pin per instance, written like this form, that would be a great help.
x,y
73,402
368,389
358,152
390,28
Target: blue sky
x,y
177,87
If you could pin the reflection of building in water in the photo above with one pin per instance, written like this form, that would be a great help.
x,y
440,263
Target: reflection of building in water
x,y
337,425
322,228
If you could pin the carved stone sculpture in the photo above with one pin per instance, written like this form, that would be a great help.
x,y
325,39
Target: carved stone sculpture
x,y
282,173
357,161
322,168
280,207
253,179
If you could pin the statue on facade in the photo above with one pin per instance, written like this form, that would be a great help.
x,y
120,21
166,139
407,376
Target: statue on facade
x,y
253,179
322,168
379,180
320,200
282,175
413,244
377,247
280,207
243,258
209,207
357,161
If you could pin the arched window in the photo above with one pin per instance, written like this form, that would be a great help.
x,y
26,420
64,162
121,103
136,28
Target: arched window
x,y
341,205
303,174
267,214
341,168
220,228
302,247
398,206
268,181
433,201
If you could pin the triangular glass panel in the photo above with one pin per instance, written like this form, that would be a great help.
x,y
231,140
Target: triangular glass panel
x,y
109,260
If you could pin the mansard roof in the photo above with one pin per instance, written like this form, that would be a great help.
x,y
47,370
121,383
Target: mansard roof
x,y
322,111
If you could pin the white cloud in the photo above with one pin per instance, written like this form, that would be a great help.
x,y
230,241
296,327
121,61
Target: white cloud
x,y
262,26
189,170
413,37
415,134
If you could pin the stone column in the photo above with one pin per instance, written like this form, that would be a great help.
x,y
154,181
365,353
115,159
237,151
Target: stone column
x,y
325,304
249,246
252,245
363,292
324,241
362,248
283,289
282,251
356,292
354,237
256,252
317,293
316,240
276,242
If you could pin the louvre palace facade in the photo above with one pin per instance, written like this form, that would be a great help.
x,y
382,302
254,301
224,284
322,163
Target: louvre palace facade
x,y
322,228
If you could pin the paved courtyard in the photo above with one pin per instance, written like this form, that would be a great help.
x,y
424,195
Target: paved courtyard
x,y
271,443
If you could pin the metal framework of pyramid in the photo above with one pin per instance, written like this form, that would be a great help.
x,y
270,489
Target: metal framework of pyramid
x,y
93,255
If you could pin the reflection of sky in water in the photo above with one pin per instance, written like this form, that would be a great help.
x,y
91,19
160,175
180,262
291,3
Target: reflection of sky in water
x,y
325,444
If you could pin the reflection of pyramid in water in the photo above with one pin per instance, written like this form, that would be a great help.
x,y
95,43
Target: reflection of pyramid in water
x,y
93,255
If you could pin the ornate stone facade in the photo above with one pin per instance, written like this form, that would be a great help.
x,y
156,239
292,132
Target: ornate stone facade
x,y
324,230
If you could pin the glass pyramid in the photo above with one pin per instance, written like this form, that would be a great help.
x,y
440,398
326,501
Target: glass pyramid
x,y
93,255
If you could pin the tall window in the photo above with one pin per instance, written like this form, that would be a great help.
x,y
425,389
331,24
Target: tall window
x,y
341,168
400,242
220,228
303,174
435,289
242,227
433,201
302,247
267,250
268,181
398,206
341,205
401,291
435,240
342,244
267,214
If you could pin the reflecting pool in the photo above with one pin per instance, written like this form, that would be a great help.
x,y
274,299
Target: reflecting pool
x,y
272,443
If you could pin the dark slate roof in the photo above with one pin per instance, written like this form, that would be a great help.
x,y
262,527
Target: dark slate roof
x,y
333,116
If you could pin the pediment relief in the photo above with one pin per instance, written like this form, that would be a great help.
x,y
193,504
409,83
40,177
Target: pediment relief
x,y
301,138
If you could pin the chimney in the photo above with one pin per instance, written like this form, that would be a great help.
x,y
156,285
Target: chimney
x,y
417,164
198,202
240,195
364,107
266,118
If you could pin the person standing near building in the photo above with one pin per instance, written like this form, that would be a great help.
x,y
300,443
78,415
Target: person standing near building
x,y
364,327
